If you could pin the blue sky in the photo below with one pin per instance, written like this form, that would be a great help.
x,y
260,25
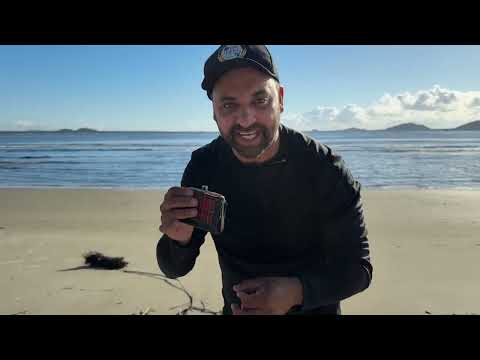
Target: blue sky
x,y
158,87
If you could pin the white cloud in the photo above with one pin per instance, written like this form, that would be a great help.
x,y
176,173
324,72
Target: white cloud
x,y
436,107
475,102
387,105
310,119
23,125
435,99
352,115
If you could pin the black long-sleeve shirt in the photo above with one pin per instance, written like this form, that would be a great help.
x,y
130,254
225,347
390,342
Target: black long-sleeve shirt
x,y
299,214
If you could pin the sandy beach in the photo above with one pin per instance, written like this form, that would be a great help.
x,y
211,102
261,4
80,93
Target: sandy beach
x,y
425,246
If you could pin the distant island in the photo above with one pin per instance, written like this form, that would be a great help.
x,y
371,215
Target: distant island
x,y
474,125
352,129
76,131
408,127
471,126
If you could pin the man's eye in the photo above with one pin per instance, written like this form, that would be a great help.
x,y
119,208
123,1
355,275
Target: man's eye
x,y
262,101
228,106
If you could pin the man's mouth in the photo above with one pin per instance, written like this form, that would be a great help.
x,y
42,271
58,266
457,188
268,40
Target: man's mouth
x,y
247,135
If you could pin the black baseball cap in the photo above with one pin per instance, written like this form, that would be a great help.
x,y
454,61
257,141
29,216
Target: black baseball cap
x,y
229,57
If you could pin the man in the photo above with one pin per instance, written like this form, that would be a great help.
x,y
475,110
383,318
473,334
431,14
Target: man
x,y
294,240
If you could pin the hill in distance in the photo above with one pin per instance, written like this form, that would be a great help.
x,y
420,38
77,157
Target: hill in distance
x,y
408,127
474,125
78,130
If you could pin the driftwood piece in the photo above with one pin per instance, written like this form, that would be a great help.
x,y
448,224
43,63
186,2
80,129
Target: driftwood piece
x,y
179,286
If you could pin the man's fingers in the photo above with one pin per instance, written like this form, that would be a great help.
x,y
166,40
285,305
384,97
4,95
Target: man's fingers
x,y
178,214
236,310
165,227
254,300
248,286
169,220
174,226
178,202
254,312
178,191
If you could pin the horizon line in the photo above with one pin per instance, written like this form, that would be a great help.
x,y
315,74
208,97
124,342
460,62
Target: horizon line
x,y
91,130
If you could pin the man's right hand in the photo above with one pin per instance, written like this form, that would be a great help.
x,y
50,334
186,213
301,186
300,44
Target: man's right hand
x,y
178,204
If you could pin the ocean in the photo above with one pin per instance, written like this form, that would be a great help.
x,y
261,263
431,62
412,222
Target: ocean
x,y
156,160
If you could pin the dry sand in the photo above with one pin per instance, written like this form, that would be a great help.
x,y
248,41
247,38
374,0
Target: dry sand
x,y
425,246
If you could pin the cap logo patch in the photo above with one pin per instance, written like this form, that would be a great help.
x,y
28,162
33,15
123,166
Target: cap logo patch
x,y
230,52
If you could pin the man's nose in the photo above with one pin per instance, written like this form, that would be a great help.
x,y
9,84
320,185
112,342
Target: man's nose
x,y
246,117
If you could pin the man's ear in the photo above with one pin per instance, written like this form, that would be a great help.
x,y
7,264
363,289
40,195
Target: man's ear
x,y
215,117
280,97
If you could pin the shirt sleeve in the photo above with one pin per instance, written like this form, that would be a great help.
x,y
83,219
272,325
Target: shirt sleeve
x,y
176,260
343,268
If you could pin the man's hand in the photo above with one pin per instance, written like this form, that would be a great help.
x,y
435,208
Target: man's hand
x,y
178,203
268,296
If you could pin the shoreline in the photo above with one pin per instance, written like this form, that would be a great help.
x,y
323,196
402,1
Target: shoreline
x,y
163,189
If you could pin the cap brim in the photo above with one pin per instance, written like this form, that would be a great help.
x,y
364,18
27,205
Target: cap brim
x,y
209,84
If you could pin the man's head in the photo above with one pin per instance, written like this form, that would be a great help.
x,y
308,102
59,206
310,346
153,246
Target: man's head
x,y
242,82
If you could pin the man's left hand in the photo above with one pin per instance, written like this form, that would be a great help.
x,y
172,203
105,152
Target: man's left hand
x,y
268,296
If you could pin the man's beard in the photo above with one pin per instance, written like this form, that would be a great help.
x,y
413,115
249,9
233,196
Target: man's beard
x,y
266,135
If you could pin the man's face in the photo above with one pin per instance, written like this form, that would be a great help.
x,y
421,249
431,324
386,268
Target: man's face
x,y
247,105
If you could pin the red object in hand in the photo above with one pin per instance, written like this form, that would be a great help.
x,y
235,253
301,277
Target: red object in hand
x,y
211,211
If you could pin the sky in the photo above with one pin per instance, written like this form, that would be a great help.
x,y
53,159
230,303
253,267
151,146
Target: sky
x,y
157,87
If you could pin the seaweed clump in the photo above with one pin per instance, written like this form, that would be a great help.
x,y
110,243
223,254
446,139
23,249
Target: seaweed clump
x,y
97,260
